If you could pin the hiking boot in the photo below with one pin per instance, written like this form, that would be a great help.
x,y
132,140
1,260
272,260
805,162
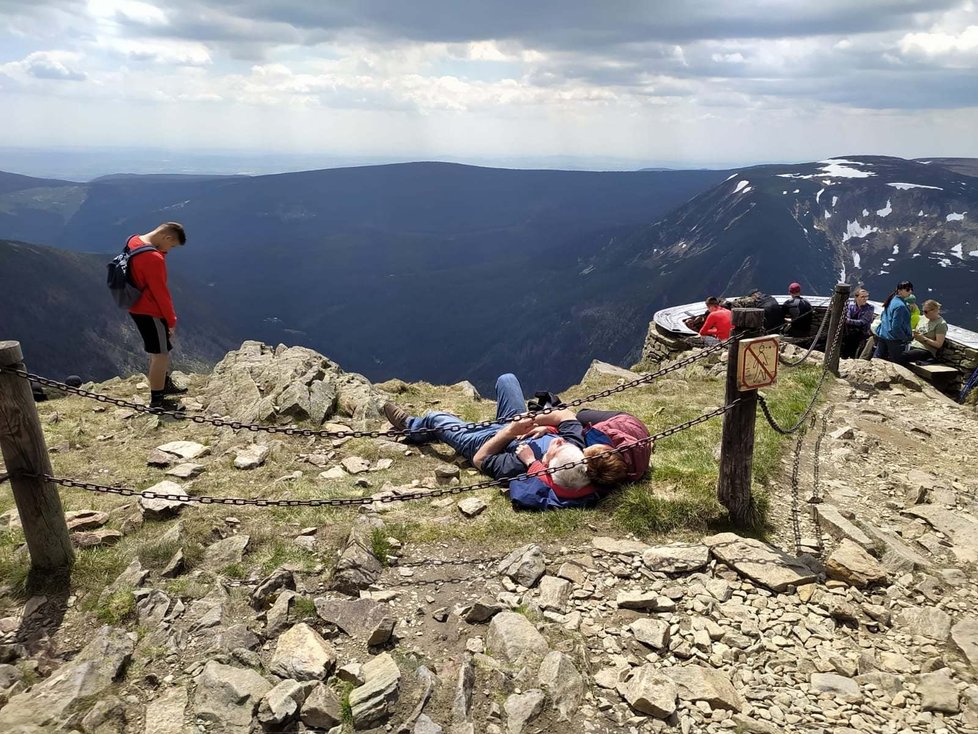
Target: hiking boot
x,y
170,388
396,415
164,404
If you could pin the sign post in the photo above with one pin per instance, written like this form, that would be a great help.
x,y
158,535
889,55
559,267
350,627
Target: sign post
x,y
757,363
751,363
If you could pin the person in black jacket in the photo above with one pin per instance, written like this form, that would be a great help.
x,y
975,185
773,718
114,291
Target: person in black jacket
x,y
773,318
798,311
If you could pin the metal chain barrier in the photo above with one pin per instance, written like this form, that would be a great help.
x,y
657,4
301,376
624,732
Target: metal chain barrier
x,y
811,405
392,433
796,488
360,501
816,497
788,363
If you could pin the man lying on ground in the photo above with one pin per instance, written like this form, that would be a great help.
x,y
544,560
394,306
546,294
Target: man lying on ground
x,y
505,450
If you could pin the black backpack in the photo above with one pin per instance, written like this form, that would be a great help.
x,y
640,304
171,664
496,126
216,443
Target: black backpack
x,y
123,290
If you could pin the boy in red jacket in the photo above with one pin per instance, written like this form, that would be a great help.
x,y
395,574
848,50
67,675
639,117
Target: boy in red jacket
x,y
153,313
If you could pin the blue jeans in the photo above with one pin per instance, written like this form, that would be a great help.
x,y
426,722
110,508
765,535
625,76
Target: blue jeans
x,y
467,441
890,349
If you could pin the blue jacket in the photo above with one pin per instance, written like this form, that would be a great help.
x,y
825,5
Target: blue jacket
x,y
895,322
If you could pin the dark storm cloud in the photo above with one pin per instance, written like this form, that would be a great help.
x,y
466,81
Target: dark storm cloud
x,y
567,24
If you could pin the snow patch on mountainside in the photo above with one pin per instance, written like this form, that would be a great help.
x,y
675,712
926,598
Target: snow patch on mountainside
x,y
741,185
896,249
856,259
886,210
854,230
842,168
955,217
819,195
958,250
904,186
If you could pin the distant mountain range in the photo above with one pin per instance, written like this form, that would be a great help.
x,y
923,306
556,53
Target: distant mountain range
x,y
444,272
862,219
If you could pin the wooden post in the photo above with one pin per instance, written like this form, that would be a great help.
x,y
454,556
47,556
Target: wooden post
x,y
836,310
737,444
25,452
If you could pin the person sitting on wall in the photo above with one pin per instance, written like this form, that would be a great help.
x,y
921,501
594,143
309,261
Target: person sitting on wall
x,y
773,317
718,324
931,334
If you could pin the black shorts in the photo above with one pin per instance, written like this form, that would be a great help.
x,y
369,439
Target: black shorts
x,y
156,337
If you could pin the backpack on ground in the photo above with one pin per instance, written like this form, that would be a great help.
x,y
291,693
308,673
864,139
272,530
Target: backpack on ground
x,y
124,291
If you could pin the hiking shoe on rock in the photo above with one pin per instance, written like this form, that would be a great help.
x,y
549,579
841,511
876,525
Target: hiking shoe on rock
x,y
164,404
396,415
170,387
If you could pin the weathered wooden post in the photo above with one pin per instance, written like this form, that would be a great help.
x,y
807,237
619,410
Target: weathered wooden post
x,y
737,444
26,455
833,345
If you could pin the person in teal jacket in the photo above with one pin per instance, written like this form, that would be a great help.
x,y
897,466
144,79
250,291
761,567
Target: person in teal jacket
x,y
894,331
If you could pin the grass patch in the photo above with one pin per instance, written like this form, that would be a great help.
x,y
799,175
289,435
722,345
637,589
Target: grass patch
x,y
346,710
303,607
118,607
380,545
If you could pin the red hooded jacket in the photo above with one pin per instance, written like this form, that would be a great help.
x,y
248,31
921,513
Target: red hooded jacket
x,y
148,272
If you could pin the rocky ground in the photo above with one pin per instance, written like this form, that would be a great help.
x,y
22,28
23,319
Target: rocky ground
x,y
864,622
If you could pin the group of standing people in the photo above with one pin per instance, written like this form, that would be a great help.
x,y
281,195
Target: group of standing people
x,y
901,335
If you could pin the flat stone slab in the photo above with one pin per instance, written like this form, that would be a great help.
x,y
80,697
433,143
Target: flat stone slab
x,y
186,450
86,519
759,562
898,557
676,557
369,702
648,691
620,547
838,526
698,683
471,506
838,686
929,622
364,619
515,639
965,637
251,456
960,527
188,470
853,565
161,509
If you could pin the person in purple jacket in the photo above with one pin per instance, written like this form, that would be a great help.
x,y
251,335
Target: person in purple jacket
x,y
859,317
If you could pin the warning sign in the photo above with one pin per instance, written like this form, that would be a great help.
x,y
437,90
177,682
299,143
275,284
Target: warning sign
x,y
757,363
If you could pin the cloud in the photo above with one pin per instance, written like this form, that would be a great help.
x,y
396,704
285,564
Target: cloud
x,y
955,50
45,65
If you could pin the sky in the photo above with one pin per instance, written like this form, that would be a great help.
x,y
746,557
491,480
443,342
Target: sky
x,y
620,83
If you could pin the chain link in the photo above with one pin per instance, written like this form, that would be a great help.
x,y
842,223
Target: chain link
x,y
816,497
796,489
392,433
766,410
821,327
361,501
